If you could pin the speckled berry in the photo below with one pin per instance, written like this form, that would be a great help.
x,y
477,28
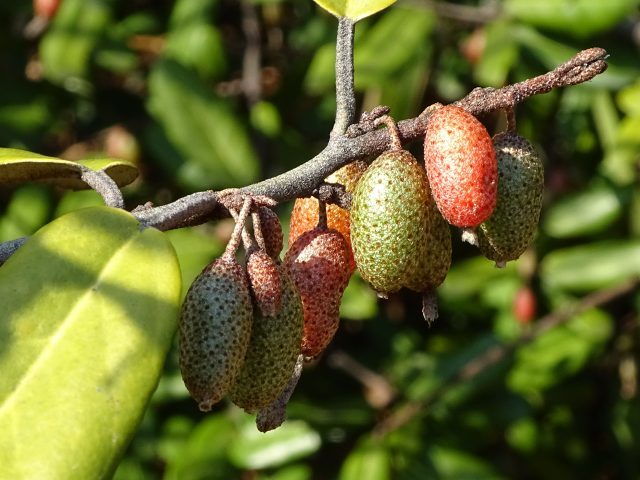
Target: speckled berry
x,y
461,166
319,264
271,231
304,216
272,353
399,237
512,226
215,327
264,279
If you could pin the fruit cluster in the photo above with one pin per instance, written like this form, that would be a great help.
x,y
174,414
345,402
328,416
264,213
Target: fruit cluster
x,y
243,329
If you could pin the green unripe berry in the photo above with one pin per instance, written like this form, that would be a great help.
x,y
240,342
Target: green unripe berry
x,y
399,238
512,225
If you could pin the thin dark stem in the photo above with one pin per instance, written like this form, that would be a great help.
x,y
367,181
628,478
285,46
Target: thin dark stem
x,y
395,142
190,210
234,241
104,185
257,230
322,214
480,364
345,92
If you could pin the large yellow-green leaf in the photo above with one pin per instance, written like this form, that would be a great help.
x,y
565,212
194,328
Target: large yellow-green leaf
x,y
18,166
354,9
87,314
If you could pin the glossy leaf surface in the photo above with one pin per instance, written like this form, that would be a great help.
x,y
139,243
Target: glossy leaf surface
x,y
88,314
17,166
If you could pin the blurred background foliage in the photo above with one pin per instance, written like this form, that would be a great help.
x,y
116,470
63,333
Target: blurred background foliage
x,y
220,93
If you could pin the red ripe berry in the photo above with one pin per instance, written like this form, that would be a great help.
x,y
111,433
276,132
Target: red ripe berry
x,y
461,166
46,8
264,278
524,305
271,231
319,264
305,210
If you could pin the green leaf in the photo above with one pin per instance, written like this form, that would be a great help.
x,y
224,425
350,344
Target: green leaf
x,y
193,40
590,267
454,464
354,9
204,453
67,47
358,302
499,55
254,450
195,249
18,166
369,460
559,353
629,99
89,311
28,209
584,213
468,278
201,125
580,18
411,48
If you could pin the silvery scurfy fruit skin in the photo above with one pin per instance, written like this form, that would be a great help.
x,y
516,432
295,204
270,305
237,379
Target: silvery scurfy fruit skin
x,y
271,232
512,226
264,279
319,264
304,216
272,353
215,328
399,237
461,166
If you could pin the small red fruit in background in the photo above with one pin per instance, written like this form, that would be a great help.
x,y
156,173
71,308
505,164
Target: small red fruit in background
x,y
461,166
46,8
524,305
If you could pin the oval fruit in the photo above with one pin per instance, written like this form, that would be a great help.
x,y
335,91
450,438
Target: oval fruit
x,y
319,264
273,350
304,216
512,226
461,166
215,328
399,238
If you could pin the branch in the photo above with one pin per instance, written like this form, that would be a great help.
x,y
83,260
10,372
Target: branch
x,y
303,180
345,91
104,185
480,364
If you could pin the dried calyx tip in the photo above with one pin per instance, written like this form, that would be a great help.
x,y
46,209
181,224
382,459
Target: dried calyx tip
x,y
469,236
430,306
